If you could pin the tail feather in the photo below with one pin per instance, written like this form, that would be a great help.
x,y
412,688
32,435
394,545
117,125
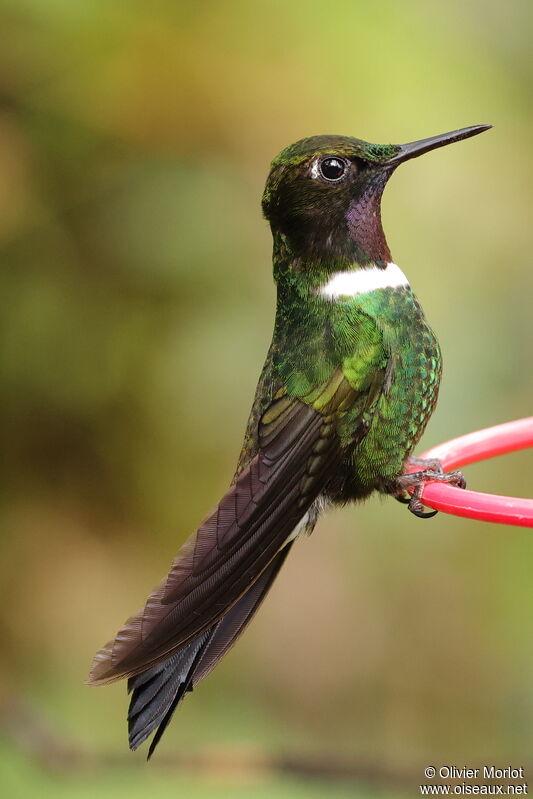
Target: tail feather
x,y
152,698
184,686
157,691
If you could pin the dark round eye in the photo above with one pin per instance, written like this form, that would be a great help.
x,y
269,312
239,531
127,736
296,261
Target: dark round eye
x,y
333,169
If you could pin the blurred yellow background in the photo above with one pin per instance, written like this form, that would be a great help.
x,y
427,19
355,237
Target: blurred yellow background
x,y
136,309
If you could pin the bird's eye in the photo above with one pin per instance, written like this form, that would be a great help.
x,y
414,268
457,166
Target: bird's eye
x,y
333,169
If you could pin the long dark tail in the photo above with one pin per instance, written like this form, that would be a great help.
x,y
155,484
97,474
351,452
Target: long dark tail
x,y
157,691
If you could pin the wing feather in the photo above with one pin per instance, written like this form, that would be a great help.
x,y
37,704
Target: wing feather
x,y
156,692
235,544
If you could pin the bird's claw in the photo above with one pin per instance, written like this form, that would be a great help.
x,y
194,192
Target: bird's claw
x,y
426,463
432,472
403,500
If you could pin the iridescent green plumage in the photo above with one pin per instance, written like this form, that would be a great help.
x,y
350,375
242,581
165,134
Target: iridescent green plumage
x,y
349,383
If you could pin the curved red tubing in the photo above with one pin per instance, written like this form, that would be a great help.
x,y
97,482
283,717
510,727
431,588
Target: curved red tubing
x,y
475,447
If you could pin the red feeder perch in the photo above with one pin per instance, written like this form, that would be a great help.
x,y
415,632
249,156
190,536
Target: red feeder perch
x,y
472,448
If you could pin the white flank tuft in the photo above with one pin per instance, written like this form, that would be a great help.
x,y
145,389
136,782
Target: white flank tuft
x,y
299,529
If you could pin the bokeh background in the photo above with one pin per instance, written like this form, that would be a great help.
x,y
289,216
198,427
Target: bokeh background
x,y
136,309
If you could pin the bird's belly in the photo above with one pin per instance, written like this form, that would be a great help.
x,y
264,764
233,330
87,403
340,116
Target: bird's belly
x,y
399,419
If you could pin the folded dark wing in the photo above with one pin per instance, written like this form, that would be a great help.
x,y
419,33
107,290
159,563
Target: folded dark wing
x,y
156,692
233,546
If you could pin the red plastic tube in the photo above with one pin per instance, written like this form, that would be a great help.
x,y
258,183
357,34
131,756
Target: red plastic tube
x,y
475,447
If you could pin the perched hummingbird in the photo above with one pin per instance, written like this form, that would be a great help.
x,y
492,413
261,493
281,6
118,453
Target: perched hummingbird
x,y
349,383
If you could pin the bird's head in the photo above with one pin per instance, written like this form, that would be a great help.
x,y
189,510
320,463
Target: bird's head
x,y
323,193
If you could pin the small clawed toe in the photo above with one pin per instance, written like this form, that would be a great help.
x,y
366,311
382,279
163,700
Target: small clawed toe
x,y
403,500
433,472
427,464
417,508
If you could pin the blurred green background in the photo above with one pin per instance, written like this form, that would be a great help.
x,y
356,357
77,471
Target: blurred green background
x,y
136,309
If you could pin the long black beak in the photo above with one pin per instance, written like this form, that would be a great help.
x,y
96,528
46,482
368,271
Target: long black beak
x,y
416,148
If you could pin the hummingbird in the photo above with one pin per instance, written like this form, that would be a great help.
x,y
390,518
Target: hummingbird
x,y
349,383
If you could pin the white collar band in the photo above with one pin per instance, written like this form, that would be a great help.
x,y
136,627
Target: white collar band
x,y
363,281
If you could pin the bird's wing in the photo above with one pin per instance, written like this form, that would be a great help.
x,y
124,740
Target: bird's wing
x,y
156,692
298,443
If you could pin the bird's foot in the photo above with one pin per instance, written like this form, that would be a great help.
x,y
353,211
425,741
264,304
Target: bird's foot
x,y
425,463
432,471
